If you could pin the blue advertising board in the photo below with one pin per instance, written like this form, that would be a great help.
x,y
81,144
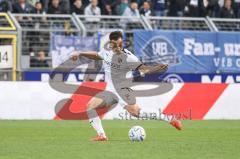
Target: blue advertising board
x,y
198,78
167,77
44,76
207,57
190,51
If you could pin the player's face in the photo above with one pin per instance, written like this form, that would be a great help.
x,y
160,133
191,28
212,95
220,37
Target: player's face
x,y
117,45
120,42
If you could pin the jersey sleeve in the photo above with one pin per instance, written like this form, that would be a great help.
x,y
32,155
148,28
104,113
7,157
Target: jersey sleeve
x,y
133,61
101,54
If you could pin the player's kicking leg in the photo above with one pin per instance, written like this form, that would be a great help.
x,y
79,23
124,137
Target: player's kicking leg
x,y
94,119
136,111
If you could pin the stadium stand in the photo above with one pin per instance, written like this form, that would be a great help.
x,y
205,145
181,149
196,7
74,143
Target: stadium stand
x,y
190,8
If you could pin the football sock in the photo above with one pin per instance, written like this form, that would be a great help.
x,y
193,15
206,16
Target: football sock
x,y
95,121
154,114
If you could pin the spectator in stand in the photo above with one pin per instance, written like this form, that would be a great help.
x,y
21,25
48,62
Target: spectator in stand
x,y
122,7
221,3
66,5
204,8
84,2
38,8
92,9
132,10
39,61
140,2
213,8
192,8
227,10
45,4
56,8
146,9
5,6
22,7
176,8
159,7
109,7
77,7
32,2
237,8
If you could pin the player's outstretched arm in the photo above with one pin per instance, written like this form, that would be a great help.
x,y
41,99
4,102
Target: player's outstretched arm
x,y
153,69
89,54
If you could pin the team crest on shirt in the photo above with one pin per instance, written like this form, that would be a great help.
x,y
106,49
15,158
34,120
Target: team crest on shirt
x,y
127,96
119,60
160,50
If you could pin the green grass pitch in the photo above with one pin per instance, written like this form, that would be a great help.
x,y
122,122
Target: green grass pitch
x,y
70,140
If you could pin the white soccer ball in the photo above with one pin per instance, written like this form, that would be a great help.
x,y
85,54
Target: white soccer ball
x,y
137,133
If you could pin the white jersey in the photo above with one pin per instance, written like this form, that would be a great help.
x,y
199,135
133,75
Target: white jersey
x,y
116,67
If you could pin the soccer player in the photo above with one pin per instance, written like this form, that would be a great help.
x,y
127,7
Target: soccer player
x,y
116,62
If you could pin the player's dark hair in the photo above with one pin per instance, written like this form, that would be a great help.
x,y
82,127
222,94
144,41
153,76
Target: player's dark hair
x,y
115,35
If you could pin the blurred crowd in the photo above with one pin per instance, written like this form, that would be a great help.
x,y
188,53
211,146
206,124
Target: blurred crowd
x,y
190,8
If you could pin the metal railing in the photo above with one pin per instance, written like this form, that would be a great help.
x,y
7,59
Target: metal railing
x,y
6,23
226,24
36,32
179,23
92,24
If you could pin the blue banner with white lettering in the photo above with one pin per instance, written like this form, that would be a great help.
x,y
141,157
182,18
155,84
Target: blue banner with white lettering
x,y
189,51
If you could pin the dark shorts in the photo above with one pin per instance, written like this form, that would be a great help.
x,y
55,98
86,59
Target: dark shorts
x,y
124,96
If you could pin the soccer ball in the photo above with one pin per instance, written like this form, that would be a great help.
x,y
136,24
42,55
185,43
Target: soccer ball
x,y
137,133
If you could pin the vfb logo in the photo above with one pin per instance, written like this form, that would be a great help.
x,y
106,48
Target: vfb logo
x,y
173,78
160,49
